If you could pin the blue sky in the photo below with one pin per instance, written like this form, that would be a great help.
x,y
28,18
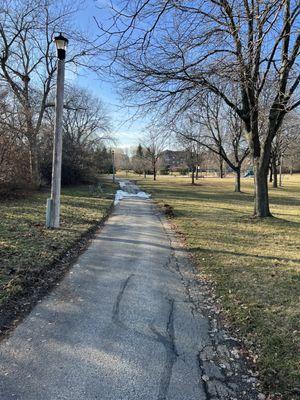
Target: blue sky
x,y
127,133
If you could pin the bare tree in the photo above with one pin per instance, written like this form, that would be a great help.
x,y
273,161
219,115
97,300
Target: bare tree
x,y
291,159
140,163
154,143
28,61
213,125
86,129
191,149
170,48
13,156
283,144
122,159
86,121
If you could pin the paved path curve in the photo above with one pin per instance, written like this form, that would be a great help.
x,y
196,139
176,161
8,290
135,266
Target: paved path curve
x,y
121,325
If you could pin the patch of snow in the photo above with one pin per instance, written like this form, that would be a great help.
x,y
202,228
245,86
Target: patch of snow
x,y
123,184
120,194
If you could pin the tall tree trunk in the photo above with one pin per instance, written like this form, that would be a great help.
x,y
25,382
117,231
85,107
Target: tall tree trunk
x,y
261,157
197,172
237,185
221,167
145,174
154,172
261,196
274,169
271,174
193,175
280,171
34,164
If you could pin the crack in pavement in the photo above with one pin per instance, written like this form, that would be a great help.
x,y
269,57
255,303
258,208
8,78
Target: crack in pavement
x,y
168,341
116,312
173,260
116,308
117,320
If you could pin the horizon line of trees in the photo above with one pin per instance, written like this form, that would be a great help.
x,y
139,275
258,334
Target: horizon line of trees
x,y
189,157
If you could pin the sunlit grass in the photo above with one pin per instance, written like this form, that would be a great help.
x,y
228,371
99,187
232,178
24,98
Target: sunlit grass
x,y
25,243
255,264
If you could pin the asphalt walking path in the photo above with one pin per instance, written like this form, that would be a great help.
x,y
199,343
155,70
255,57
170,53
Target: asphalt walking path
x,y
123,324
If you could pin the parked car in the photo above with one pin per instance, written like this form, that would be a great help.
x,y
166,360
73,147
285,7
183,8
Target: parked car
x,y
249,174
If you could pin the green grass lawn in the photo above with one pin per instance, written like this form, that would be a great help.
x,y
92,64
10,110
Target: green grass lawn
x,y
255,264
28,251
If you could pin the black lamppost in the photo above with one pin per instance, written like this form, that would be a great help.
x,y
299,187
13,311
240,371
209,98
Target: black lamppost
x,y
53,204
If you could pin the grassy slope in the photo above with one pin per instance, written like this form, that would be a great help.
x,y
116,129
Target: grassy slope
x,y
255,264
27,248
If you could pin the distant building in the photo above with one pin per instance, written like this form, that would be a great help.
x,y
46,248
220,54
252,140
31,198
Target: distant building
x,y
173,160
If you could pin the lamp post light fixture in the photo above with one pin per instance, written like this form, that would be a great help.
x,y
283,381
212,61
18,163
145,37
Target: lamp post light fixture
x,y
113,166
53,204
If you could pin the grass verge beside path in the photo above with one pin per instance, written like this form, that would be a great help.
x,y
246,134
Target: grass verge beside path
x,y
254,264
33,258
